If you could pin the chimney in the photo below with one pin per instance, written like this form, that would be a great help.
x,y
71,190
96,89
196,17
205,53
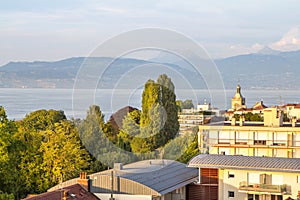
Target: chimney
x,y
84,181
65,195
294,122
118,166
233,121
242,120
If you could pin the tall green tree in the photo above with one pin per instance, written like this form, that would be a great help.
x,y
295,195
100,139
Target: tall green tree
x,y
168,99
150,97
159,119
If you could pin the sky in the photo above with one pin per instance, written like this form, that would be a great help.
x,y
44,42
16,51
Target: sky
x,y
56,29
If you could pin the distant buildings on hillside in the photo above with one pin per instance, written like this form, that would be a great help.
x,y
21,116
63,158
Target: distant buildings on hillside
x,y
272,137
202,114
238,107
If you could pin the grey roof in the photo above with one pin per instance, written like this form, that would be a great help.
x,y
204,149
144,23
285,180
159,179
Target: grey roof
x,y
162,176
245,162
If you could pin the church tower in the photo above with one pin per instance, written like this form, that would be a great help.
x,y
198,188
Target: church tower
x,y
238,101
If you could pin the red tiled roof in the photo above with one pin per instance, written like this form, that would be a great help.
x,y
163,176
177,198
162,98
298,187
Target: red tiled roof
x,y
229,112
260,107
297,106
290,104
244,109
75,191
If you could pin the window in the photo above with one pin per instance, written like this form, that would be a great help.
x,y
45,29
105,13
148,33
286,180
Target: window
x,y
230,194
265,179
250,197
298,179
230,175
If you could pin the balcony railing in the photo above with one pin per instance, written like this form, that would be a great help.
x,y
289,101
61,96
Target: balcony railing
x,y
278,143
282,189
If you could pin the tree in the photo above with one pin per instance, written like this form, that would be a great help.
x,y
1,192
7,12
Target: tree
x,y
150,97
63,155
249,117
159,120
5,196
192,150
187,104
93,139
140,145
179,105
131,124
168,100
116,121
102,150
131,128
8,158
51,149
31,133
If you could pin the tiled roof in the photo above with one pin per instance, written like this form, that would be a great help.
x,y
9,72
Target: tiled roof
x,y
75,191
290,104
245,109
245,162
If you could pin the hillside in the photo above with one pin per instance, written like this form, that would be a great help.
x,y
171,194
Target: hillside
x,y
267,69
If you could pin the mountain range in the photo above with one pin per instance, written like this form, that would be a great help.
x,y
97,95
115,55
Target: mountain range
x,y
266,69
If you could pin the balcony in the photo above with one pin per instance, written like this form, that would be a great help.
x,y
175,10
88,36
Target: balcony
x,y
241,141
260,142
281,189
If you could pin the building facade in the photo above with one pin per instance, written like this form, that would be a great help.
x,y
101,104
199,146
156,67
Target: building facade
x,y
271,138
223,177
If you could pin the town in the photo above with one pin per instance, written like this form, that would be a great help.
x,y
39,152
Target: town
x,y
252,154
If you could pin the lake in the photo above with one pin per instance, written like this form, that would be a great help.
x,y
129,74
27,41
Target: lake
x,y
19,102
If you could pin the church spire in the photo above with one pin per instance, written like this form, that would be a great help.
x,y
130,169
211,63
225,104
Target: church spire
x,y
238,101
238,89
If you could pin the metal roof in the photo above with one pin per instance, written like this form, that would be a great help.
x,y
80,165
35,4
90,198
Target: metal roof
x,y
161,176
245,163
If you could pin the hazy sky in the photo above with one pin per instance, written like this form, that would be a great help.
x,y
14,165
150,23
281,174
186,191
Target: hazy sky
x,y
56,29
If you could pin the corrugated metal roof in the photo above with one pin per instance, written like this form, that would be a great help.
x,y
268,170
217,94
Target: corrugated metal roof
x,y
245,162
162,176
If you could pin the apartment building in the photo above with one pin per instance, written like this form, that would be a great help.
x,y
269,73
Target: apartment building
x,y
271,138
225,177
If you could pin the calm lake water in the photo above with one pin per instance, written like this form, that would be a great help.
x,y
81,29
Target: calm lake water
x,y
19,102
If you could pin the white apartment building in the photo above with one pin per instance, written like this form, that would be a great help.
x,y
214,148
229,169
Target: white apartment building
x,y
223,177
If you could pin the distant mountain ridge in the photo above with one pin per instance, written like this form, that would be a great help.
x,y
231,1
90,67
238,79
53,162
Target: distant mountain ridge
x,y
266,69
261,71
268,51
